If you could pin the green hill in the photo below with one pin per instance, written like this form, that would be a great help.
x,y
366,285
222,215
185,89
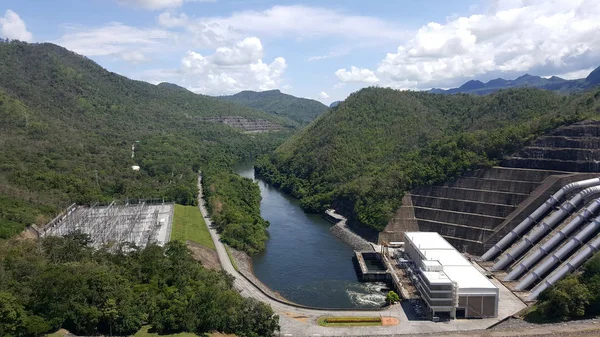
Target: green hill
x,y
379,143
68,125
301,110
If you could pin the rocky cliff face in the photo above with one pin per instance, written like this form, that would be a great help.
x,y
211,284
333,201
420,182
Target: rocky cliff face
x,y
250,125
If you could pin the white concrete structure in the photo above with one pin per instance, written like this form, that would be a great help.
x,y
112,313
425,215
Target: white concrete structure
x,y
448,283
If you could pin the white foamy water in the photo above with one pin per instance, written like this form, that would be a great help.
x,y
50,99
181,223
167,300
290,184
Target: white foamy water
x,y
368,294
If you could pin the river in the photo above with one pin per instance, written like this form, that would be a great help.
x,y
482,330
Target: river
x,y
303,261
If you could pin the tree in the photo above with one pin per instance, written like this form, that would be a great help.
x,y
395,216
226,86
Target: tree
x,y
392,297
11,316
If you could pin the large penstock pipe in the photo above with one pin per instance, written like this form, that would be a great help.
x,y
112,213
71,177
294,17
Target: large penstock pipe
x,y
560,255
569,267
535,216
557,239
546,226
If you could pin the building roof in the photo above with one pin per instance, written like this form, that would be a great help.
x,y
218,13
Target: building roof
x,y
428,240
445,257
437,277
433,247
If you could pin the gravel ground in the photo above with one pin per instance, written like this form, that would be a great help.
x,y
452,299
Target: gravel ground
x,y
515,323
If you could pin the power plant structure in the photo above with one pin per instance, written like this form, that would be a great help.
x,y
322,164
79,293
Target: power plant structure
x,y
140,223
533,219
449,283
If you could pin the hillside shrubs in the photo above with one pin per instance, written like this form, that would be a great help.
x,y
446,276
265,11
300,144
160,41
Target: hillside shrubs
x,y
61,283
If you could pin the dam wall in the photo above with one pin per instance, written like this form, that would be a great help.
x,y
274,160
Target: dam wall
x,y
476,210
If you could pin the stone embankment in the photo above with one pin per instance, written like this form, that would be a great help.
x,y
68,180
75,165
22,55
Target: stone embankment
x,y
249,125
341,230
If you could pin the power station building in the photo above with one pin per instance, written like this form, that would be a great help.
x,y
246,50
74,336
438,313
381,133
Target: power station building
x,y
447,282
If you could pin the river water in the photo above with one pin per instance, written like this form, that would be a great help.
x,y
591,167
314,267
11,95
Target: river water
x,y
303,261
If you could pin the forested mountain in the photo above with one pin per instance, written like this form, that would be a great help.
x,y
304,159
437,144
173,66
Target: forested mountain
x,y
301,110
68,125
171,86
553,83
379,143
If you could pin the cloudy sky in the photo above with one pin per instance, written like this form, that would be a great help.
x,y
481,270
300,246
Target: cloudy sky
x,y
318,49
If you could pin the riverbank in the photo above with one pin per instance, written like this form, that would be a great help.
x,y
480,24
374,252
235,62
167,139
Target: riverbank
x,y
341,231
244,263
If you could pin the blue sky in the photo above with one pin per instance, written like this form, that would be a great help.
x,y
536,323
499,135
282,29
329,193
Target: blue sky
x,y
317,49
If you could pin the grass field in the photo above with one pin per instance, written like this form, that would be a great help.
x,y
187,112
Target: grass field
x,y
188,224
368,321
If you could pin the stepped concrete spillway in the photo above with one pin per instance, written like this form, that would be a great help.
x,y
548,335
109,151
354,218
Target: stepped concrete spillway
x,y
474,212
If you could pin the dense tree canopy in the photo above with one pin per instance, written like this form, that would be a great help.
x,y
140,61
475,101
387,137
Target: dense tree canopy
x,y
379,143
301,110
61,283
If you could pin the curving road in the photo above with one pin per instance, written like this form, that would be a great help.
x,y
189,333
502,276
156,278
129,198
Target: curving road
x,y
297,321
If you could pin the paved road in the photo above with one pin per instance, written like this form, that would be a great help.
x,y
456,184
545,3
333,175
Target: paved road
x,y
296,321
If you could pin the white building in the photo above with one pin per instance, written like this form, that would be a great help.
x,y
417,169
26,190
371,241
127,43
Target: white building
x,y
448,283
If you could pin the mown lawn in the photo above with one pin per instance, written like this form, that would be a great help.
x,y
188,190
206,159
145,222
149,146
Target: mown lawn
x,y
357,321
188,224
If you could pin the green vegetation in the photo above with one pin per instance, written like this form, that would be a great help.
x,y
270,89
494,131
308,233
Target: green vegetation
x,y
62,283
363,155
144,332
574,297
301,110
68,126
392,297
231,259
349,321
234,205
188,224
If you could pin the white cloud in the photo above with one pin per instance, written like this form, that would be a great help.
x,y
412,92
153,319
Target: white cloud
x,y
243,52
228,70
336,53
134,56
297,21
324,95
170,20
158,4
356,75
115,39
13,27
544,37
583,73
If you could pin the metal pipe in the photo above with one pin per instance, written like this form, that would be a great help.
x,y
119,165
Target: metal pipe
x,y
569,267
535,216
559,237
546,226
560,255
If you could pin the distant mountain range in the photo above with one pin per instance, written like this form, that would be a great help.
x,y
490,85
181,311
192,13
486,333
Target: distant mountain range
x,y
301,110
553,83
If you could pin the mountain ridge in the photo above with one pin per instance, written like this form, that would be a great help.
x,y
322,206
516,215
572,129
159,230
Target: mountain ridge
x,y
274,102
553,83
68,125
